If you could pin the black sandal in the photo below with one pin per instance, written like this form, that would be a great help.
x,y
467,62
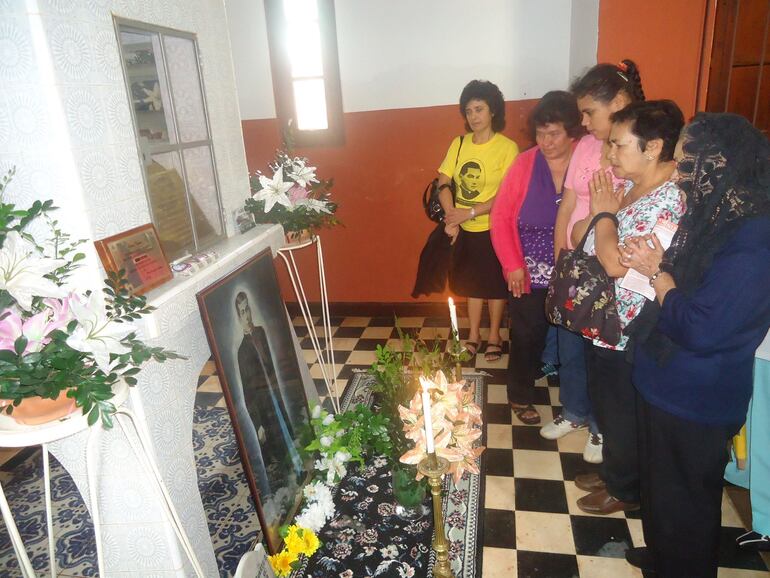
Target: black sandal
x,y
495,354
522,411
471,347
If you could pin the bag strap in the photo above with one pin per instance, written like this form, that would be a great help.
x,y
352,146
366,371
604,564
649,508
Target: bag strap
x,y
457,158
595,220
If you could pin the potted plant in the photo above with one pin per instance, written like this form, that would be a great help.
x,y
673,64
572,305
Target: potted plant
x,y
58,343
395,374
292,196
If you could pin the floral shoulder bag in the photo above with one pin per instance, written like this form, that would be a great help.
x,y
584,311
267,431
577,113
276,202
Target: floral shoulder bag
x,y
581,296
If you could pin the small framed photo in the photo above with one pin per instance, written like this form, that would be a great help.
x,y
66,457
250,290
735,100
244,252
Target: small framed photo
x,y
139,253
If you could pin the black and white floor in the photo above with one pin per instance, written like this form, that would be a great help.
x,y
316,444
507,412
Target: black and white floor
x,y
532,527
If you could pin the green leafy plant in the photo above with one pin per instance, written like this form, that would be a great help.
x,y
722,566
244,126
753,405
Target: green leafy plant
x,y
347,437
55,337
395,372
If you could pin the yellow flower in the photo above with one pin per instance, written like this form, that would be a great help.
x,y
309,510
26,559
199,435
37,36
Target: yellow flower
x,y
281,562
310,542
293,540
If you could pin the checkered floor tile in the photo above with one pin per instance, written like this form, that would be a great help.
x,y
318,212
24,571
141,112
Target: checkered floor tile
x,y
532,527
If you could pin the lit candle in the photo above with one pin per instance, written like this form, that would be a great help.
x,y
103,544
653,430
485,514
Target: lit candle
x,y
453,318
426,384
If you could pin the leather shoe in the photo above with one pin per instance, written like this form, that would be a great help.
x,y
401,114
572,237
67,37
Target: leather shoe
x,y
589,482
601,502
641,558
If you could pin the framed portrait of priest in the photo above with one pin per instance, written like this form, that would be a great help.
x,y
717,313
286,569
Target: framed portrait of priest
x,y
259,365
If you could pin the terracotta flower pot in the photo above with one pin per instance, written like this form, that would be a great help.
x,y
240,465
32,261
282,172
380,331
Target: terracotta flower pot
x,y
37,410
298,237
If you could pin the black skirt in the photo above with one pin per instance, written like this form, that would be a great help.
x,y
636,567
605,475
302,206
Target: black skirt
x,y
475,270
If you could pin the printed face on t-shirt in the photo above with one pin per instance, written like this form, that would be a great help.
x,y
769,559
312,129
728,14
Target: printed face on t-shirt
x,y
471,180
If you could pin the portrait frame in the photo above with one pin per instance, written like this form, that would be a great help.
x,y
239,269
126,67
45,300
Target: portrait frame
x,y
270,459
140,254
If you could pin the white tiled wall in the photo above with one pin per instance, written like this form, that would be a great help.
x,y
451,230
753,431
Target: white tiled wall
x,y
65,123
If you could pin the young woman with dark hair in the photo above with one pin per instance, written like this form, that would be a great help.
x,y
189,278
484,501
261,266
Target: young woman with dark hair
x,y
603,90
476,163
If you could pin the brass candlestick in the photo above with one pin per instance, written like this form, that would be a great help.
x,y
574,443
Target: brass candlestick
x,y
433,468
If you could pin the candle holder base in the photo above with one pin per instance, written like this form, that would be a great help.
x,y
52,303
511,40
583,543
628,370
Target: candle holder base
x,y
434,467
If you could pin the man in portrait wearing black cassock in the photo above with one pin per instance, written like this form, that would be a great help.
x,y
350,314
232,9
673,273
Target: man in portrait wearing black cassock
x,y
264,402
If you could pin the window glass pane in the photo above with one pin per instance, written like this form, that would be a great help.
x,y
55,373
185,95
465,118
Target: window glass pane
x,y
147,86
300,10
203,194
305,49
168,201
310,103
182,62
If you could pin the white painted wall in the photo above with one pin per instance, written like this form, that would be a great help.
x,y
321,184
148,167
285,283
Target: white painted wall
x,y
65,123
584,36
406,53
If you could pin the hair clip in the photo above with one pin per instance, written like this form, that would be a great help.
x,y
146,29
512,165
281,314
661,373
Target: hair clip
x,y
623,76
623,66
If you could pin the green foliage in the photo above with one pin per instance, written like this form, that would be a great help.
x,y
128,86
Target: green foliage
x,y
298,218
358,432
56,366
396,373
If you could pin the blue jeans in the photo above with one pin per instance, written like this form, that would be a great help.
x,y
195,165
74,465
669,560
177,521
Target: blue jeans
x,y
551,351
573,384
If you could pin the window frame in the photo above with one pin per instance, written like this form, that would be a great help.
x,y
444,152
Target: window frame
x,y
128,25
278,42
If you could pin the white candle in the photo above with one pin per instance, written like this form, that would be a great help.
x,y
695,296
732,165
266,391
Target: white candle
x,y
426,384
453,317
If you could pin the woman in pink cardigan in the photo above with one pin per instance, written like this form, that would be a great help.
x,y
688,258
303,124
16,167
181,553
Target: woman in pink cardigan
x,y
522,227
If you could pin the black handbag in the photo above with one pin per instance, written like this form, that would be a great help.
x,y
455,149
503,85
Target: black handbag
x,y
581,296
430,196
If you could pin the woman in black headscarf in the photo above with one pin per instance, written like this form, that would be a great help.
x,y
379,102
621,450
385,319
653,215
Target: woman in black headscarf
x,y
696,342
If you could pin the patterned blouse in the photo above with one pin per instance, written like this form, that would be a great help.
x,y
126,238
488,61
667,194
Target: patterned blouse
x,y
635,220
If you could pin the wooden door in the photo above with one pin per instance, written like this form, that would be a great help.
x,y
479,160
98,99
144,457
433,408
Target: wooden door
x,y
739,72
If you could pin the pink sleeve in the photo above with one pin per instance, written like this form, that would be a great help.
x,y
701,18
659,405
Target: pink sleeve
x,y
504,229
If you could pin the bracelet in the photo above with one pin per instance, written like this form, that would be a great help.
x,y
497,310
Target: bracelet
x,y
473,212
655,276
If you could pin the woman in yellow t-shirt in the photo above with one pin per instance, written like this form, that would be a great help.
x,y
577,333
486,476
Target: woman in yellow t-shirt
x,y
477,163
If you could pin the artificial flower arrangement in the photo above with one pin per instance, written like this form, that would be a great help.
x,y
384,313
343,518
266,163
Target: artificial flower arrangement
x,y
456,421
346,437
293,196
54,338
299,542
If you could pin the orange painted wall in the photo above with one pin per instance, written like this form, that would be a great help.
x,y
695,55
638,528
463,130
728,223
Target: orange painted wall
x,y
663,37
388,158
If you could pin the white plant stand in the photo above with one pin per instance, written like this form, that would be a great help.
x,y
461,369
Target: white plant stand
x,y
325,354
14,435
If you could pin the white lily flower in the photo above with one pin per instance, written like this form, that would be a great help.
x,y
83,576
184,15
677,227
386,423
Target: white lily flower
x,y
326,441
316,413
313,205
22,270
303,175
328,420
96,333
274,190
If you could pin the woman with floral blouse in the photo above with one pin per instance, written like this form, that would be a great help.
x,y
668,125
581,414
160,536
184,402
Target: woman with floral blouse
x,y
642,142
